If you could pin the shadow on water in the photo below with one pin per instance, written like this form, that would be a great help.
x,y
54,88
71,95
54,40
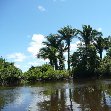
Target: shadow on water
x,y
83,95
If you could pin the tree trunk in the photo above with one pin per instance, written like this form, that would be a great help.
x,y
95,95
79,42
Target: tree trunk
x,y
51,63
56,65
61,60
68,54
100,54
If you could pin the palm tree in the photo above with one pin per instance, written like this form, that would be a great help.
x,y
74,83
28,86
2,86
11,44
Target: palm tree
x,y
67,33
53,50
49,53
45,53
61,56
99,45
52,40
87,35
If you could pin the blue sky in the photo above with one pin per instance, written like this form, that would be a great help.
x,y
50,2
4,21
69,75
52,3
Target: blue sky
x,y
24,23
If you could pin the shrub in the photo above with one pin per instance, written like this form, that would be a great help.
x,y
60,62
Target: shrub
x,y
105,67
8,72
45,72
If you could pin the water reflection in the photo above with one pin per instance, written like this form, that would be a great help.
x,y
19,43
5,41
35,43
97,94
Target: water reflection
x,y
61,96
56,102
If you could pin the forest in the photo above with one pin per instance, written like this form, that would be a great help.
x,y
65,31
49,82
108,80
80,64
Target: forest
x,y
92,59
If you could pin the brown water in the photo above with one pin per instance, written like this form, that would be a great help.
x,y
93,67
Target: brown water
x,y
58,96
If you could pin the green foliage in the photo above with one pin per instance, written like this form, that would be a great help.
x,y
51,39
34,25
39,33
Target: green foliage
x,y
45,72
105,67
88,34
67,33
53,50
85,62
101,44
9,73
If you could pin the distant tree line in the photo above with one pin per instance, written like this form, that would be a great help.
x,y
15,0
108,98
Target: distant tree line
x,y
10,75
86,62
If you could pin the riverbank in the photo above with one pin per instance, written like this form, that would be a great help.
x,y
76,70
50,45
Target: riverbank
x,y
11,75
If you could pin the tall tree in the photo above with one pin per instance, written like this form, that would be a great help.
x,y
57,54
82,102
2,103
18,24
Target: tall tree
x,y
61,56
101,44
86,59
46,53
85,62
87,35
67,33
53,50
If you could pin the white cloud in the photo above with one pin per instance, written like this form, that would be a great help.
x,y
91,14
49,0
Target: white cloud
x,y
35,44
35,63
39,62
17,57
74,46
46,60
99,29
41,8
17,65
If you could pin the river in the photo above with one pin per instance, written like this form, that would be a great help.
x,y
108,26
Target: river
x,y
82,95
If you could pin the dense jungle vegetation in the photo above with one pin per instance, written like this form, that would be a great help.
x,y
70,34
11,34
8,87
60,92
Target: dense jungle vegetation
x,y
9,73
86,62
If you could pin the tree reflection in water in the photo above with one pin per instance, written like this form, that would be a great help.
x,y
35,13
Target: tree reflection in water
x,y
65,96
84,98
56,102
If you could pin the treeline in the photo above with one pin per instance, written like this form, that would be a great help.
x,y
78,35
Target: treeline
x,y
10,75
86,62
